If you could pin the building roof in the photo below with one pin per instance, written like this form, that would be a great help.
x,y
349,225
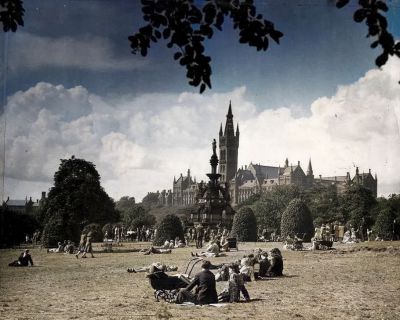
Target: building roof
x,y
263,172
337,178
16,203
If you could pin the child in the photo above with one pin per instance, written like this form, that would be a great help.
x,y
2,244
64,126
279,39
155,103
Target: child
x,y
236,284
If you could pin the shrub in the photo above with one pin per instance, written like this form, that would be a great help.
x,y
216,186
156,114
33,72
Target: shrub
x,y
169,228
297,220
53,232
244,226
384,224
97,234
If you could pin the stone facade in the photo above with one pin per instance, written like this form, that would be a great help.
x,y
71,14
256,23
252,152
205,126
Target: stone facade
x,y
257,178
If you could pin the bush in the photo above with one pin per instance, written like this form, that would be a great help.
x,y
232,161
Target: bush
x,y
384,224
244,226
297,220
97,233
15,226
53,232
169,228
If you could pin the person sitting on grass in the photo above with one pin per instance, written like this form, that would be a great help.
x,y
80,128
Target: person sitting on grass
x,y
154,267
276,263
211,251
23,260
204,282
235,285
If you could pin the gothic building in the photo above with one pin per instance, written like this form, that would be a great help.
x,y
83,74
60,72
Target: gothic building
x,y
228,148
257,178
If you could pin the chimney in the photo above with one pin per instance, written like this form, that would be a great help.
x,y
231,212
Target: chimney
x,y
43,194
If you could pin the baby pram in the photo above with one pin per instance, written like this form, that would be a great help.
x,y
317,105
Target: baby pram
x,y
166,287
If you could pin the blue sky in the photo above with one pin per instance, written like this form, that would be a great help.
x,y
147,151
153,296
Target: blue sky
x,y
82,46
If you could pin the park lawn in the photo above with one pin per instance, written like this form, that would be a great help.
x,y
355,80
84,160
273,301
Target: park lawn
x,y
359,281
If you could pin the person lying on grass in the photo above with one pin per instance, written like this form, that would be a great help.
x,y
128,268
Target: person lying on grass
x,y
23,260
154,267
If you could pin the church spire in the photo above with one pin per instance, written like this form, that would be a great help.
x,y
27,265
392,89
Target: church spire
x,y
286,163
229,128
220,130
310,170
237,129
230,114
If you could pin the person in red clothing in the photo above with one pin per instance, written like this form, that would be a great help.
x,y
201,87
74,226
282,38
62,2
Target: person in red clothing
x,y
204,282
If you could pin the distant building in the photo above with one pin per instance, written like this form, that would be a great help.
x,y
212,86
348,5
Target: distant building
x,y
24,206
257,178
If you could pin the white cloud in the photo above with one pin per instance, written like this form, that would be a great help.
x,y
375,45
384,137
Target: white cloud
x,y
139,144
29,51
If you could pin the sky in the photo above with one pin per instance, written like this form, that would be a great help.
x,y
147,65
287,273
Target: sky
x,y
71,86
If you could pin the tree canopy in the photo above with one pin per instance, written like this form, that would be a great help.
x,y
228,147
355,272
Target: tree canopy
x,y
77,199
297,221
186,25
168,229
244,226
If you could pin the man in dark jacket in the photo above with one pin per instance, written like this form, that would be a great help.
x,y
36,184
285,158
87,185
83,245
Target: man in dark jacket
x,y
204,282
23,261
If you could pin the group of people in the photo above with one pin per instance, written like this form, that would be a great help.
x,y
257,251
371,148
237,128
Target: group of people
x,y
67,246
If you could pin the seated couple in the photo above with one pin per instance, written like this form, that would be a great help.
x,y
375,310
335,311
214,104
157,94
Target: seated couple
x,y
206,293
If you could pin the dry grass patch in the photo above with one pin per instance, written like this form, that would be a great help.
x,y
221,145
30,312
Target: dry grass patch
x,y
353,282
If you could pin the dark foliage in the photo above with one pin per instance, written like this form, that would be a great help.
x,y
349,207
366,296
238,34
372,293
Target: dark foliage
x,y
96,230
15,225
372,12
150,200
384,224
125,203
244,226
357,203
297,221
269,208
77,198
186,26
57,229
137,217
169,228
11,14
323,202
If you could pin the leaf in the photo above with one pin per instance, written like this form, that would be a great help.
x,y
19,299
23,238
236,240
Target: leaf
x,y
166,33
374,44
359,15
381,59
202,88
341,3
177,55
382,6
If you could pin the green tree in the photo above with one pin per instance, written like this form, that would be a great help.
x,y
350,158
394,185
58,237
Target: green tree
x,y
323,203
270,206
137,216
125,203
186,25
15,225
297,221
357,203
150,200
384,223
77,199
169,228
244,225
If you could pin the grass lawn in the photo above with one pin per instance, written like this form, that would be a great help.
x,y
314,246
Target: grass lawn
x,y
360,281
